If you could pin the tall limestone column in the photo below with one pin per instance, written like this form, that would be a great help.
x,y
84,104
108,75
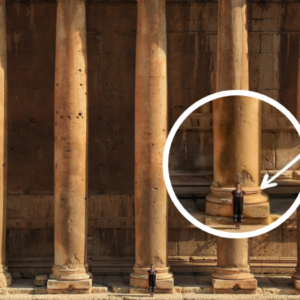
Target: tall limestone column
x,y
236,122
296,275
150,137
5,277
70,270
236,129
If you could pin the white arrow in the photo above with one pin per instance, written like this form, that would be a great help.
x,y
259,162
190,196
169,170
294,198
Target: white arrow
x,y
267,183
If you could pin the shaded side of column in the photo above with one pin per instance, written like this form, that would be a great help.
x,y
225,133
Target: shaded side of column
x,y
236,122
150,138
296,275
70,269
5,277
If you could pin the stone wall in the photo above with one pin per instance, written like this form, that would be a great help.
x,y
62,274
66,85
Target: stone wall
x,y
111,26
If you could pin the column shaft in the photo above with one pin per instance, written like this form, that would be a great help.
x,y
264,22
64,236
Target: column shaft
x,y
5,277
150,137
296,275
71,133
236,121
236,129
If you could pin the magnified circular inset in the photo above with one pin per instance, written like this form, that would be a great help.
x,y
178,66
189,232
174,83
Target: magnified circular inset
x,y
238,203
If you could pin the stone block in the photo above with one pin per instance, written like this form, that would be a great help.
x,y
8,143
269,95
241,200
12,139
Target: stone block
x,y
16,275
85,284
296,283
120,288
99,289
40,280
234,285
191,289
5,280
160,283
30,274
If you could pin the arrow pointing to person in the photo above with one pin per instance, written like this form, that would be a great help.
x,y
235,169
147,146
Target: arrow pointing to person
x,y
267,183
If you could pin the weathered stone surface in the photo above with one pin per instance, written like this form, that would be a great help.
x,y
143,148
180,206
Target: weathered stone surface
x,y
53,284
236,119
70,268
150,137
120,288
16,275
248,284
40,280
134,290
191,57
99,289
31,273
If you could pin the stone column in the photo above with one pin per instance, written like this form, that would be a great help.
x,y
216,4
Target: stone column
x,y
236,129
296,275
150,137
5,277
70,269
232,272
236,122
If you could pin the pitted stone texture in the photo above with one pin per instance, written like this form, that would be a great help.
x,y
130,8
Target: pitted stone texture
x,y
85,284
40,280
234,285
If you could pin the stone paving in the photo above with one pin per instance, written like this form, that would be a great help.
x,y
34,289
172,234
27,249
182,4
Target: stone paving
x,y
187,287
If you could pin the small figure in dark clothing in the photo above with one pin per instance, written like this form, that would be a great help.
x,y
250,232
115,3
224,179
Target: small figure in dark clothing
x,y
152,280
238,203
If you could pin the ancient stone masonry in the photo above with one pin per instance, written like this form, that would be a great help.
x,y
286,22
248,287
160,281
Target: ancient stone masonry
x,y
5,277
70,161
150,137
115,75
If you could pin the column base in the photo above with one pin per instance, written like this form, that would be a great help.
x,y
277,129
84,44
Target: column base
x,y
5,277
256,203
164,278
296,280
234,286
84,284
232,280
64,278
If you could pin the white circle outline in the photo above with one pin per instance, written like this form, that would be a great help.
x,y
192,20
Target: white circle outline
x,y
169,187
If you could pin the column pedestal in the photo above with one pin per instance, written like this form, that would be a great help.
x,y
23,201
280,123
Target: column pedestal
x,y
256,203
232,273
164,279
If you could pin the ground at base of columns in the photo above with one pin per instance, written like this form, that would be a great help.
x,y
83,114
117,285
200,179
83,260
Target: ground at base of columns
x,y
187,287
